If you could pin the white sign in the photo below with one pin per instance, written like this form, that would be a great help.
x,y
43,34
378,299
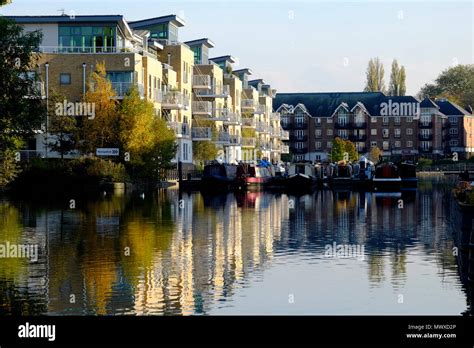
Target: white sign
x,y
107,151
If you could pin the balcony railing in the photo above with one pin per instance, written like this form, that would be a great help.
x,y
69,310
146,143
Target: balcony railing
x,y
248,123
425,124
174,100
181,130
260,109
425,137
248,104
339,125
299,150
87,49
222,138
36,89
285,135
201,133
157,95
425,149
358,137
299,125
359,125
262,127
235,140
214,92
202,81
249,142
275,116
275,132
202,108
233,118
285,149
299,138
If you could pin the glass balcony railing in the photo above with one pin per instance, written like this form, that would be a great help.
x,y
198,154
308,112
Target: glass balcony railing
x,y
201,133
174,100
202,81
248,123
181,130
249,142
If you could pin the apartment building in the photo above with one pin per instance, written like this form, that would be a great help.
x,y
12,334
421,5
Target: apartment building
x,y
409,129
201,98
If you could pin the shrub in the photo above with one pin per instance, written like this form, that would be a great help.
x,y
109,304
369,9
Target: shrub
x,y
94,167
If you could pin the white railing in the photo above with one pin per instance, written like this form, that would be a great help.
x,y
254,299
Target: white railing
x,y
248,123
174,100
201,133
122,88
249,142
87,49
285,135
285,149
222,138
235,140
260,109
202,81
233,118
262,127
202,108
214,91
248,104
180,129
275,116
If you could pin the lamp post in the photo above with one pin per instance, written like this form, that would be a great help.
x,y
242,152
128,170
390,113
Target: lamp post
x,y
46,65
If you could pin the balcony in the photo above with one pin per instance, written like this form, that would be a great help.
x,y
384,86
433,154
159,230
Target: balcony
x,y
339,125
36,89
299,138
285,135
300,150
359,125
358,137
214,92
233,119
201,133
249,123
248,104
235,140
425,124
425,137
299,125
202,108
202,81
174,100
121,89
275,132
157,96
260,109
275,116
87,49
222,138
285,149
249,142
262,127
425,149
181,130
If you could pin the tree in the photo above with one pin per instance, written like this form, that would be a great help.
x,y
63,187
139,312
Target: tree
x,y
397,85
455,84
103,129
375,154
63,129
338,149
375,76
350,149
22,110
204,151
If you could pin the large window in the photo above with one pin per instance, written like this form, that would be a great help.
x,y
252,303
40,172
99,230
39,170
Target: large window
x,y
95,38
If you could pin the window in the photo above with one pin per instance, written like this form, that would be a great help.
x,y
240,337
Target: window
x,y
453,120
398,143
409,119
373,120
396,120
343,133
385,145
453,143
453,131
373,143
92,38
329,145
409,143
385,120
385,133
329,120
397,133
318,122
317,133
409,131
373,131
185,152
318,145
329,132
65,79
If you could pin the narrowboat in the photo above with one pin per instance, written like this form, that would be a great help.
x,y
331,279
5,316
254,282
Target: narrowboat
x,y
363,173
341,175
387,177
408,175
251,175
301,176
219,175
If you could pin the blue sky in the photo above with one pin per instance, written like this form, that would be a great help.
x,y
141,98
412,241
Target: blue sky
x,y
308,46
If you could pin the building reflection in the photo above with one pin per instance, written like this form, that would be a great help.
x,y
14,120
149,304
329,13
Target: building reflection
x,y
188,253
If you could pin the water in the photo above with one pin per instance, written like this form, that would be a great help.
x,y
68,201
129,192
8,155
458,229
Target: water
x,y
253,253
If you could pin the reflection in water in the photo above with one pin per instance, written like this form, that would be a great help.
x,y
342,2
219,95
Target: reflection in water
x,y
185,253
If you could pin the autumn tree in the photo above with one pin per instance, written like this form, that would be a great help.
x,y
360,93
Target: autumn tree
x,y
204,151
101,130
62,129
375,76
338,149
351,150
375,154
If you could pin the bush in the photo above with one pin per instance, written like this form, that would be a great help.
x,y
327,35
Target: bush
x,y
94,167
425,162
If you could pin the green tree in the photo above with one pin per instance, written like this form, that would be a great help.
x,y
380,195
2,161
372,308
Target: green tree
x,y
63,130
204,151
455,84
22,110
375,76
397,85
338,150
351,150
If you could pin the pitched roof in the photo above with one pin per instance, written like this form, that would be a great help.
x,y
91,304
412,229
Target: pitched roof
x,y
324,104
451,109
176,20
428,103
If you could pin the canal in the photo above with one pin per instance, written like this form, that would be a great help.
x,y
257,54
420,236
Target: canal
x,y
244,253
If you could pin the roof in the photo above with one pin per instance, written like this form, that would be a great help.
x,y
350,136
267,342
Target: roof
x,y
75,19
451,109
257,81
243,71
197,42
228,58
176,20
428,103
324,104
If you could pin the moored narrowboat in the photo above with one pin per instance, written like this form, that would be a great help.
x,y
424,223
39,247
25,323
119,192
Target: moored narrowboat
x,y
219,175
387,177
301,176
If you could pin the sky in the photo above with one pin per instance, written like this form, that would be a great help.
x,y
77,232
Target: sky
x,y
307,45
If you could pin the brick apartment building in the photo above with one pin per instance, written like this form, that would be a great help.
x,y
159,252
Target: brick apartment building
x,y
412,129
